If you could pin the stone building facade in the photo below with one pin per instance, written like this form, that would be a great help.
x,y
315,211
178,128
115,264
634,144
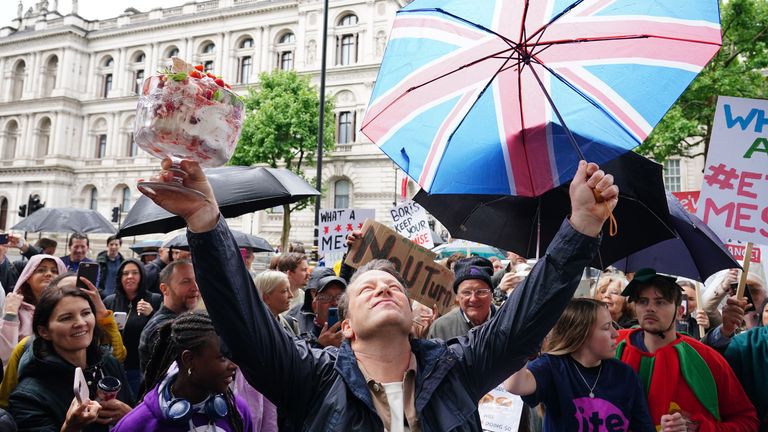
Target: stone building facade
x,y
68,95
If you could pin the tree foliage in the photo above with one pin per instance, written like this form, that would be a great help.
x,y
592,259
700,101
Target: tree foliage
x,y
737,70
280,129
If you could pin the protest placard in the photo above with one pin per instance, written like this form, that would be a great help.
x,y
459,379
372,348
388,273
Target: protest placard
x,y
335,224
410,220
689,200
734,196
429,283
500,411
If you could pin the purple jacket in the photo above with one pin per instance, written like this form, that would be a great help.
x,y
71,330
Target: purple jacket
x,y
148,417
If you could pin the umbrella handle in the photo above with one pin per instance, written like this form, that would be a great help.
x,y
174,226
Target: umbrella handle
x,y
613,225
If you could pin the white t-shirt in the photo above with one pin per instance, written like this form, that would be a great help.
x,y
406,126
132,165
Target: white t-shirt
x,y
394,393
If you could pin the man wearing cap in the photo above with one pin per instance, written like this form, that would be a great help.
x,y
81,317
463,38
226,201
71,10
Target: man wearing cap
x,y
689,385
323,291
474,294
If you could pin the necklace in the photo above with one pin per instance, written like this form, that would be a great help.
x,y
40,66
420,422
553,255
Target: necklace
x,y
591,389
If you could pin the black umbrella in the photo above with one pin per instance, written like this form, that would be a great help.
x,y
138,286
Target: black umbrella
x,y
145,246
238,190
250,241
697,253
526,226
65,220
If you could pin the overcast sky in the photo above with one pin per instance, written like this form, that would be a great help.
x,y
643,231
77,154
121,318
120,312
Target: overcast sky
x,y
90,9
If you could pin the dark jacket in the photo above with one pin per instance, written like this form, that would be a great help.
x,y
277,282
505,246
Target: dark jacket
x,y
118,302
453,324
103,259
8,275
6,422
44,393
325,389
149,334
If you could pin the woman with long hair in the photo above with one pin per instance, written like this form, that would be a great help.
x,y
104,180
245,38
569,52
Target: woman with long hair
x,y
608,291
66,338
578,381
20,304
132,298
195,392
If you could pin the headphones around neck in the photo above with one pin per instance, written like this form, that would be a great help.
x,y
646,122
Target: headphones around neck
x,y
180,411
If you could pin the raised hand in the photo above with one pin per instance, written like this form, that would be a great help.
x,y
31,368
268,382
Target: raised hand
x,y
587,214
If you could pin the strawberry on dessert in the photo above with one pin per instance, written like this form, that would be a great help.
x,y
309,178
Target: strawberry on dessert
x,y
188,114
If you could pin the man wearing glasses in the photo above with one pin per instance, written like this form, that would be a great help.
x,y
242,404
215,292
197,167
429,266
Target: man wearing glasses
x,y
313,327
474,293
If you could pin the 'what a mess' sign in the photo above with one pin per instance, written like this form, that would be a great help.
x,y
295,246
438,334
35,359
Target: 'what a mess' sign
x,y
734,196
429,283
336,224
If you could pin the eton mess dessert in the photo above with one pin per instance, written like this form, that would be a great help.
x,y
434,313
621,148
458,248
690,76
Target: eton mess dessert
x,y
186,113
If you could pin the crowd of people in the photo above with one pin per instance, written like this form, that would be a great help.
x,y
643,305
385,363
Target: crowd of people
x,y
195,340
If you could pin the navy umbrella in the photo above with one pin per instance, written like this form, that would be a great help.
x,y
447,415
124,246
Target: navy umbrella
x,y
696,253
65,220
238,190
243,240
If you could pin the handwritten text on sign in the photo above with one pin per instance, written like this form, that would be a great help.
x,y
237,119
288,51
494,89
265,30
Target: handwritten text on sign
x,y
335,224
428,282
734,196
410,220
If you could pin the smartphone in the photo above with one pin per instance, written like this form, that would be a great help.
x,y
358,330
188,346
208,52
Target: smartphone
x,y
81,386
333,316
747,295
685,306
88,270
4,238
120,319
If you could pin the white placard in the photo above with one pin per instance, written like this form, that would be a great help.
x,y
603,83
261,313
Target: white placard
x,y
410,220
335,224
500,411
734,195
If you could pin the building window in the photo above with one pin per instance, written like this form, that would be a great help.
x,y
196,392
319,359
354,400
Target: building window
x,y
140,57
108,62
173,52
138,81
43,138
133,148
101,146
208,66
345,127
11,138
17,83
348,20
287,38
286,60
94,204
346,49
246,64
672,178
246,43
126,202
341,194
208,48
49,75
107,85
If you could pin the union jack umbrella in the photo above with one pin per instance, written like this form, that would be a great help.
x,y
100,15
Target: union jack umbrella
x,y
505,96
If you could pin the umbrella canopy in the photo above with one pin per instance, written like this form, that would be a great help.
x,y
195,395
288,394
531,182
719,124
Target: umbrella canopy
x,y
238,190
520,90
250,241
468,248
146,245
527,225
65,220
696,253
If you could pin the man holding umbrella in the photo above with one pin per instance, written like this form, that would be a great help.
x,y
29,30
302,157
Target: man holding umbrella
x,y
341,389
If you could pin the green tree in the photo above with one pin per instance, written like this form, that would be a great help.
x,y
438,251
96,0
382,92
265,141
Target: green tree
x,y
280,130
737,70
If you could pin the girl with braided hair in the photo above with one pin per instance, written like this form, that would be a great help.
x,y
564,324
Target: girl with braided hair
x,y
188,376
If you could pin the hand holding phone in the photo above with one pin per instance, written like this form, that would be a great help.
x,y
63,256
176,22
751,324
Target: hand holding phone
x,y
81,387
4,238
88,270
